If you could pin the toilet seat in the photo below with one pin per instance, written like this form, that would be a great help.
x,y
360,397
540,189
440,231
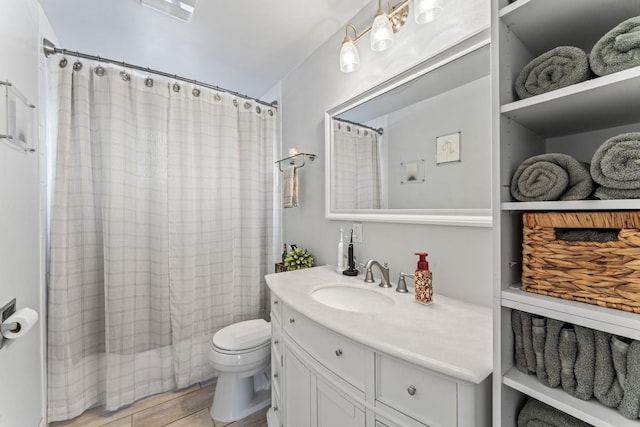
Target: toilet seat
x,y
242,337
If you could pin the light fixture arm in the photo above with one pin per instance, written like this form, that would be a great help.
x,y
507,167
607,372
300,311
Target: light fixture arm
x,y
396,9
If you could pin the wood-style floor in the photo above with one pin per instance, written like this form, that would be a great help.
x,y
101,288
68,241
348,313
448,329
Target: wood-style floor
x,y
184,408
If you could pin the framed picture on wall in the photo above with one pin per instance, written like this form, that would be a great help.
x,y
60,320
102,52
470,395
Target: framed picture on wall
x,y
448,148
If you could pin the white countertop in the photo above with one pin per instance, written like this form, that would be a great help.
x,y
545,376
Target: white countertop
x,y
448,336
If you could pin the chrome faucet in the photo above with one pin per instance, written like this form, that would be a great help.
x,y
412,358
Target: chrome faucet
x,y
384,271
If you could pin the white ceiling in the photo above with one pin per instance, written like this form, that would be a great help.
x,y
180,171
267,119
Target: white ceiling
x,y
242,45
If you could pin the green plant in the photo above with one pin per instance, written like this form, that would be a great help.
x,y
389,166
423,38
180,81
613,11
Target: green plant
x,y
297,259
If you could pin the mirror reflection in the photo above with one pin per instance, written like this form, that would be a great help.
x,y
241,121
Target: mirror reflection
x,y
420,142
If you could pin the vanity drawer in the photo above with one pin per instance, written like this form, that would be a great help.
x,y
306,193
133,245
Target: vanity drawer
x,y
341,355
417,392
276,307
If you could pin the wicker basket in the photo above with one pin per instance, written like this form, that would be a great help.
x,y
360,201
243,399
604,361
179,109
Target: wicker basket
x,y
602,273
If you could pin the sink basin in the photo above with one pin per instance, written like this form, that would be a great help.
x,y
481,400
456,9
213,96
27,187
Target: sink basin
x,y
352,298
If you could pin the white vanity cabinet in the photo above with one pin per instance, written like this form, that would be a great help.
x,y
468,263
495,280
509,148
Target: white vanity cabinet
x,y
328,380
574,120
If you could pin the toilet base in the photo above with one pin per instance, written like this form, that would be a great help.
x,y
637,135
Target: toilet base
x,y
236,398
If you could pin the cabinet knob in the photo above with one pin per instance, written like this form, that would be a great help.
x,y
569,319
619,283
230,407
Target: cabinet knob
x,y
276,342
292,320
338,352
275,408
275,375
411,390
275,301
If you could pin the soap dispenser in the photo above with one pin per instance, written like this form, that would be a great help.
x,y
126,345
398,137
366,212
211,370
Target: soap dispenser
x,y
423,280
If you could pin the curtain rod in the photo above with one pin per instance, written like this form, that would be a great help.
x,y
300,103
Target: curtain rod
x,y
380,131
50,49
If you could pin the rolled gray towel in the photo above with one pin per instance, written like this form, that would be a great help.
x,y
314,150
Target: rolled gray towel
x,y
619,348
516,325
527,340
555,69
537,414
577,347
630,405
606,193
606,387
618,49
551,176
616,163
551,352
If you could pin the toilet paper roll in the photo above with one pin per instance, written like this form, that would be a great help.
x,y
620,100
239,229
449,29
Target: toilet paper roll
x,y
24,320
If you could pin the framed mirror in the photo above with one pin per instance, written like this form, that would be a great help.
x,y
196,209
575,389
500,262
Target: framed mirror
x,y
416,148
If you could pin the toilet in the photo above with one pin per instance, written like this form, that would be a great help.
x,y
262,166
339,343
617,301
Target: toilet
x,y
241,355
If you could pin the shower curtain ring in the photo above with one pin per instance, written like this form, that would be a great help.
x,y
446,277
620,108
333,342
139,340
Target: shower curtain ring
x,y
195,91
99,70
148,82
176,86
125,76
77,66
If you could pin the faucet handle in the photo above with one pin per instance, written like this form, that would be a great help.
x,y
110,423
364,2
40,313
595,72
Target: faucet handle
x,y
402,284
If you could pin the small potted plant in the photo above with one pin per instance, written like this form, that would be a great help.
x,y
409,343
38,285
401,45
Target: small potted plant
x,y
297,259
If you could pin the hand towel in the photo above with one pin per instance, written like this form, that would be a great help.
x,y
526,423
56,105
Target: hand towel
x,y
577,356
527,340
619,348
518,344
606,387
555,69
539,336
551,352
290,187
552,176
630,405
618,49
616,167
537,414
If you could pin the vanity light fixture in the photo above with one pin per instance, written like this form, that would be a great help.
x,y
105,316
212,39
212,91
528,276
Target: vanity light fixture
x,y
179,9
384,26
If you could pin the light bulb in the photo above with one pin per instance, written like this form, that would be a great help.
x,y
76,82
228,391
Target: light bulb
x,y
349,57
427,10
381,32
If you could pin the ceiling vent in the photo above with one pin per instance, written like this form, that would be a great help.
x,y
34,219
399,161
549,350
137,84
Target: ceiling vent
x,y
179,9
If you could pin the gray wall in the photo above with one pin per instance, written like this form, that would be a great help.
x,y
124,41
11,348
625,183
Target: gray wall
x,y
455,185
460,257
22,222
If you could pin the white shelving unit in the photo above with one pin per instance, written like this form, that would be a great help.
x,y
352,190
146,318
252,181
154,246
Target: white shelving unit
x,y
575,120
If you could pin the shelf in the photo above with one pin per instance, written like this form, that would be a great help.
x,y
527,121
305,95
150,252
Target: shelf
x,y
298,160
17,119
573,205
601,102
591,411
604,319
543,24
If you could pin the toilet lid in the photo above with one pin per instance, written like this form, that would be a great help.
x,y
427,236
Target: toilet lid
x,y
243,335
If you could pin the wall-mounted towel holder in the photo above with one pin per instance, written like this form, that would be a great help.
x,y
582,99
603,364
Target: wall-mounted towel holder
x,y
298,160
17,118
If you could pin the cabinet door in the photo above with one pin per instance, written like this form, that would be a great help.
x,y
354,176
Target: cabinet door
x,y
297,391
335,410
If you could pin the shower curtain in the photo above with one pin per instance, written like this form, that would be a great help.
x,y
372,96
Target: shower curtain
x,y
160,235
356,157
